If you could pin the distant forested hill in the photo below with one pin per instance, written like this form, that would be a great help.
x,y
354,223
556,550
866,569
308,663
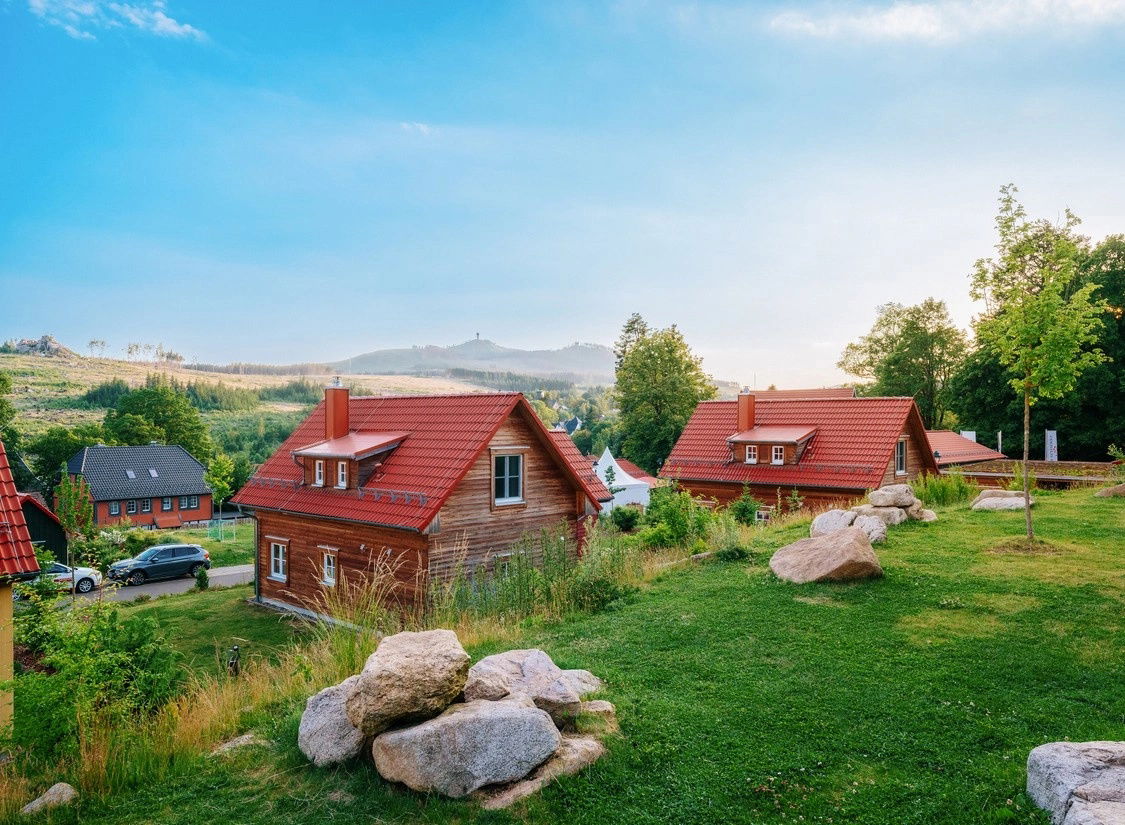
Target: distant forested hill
x,y
591,363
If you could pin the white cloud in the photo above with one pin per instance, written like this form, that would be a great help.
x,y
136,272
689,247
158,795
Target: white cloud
x,y
79,18
942,21
417,128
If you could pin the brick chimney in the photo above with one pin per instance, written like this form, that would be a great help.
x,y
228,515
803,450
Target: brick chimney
x,y
336,423
745,410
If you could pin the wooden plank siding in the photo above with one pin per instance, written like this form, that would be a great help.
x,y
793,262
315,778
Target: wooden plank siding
x,y
357,548
472,527
816,498
914,461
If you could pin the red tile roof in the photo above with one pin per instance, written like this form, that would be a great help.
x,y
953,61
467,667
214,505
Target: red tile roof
x,y
956,449
446,434
780,434
852,448
17,556
636,472
581,464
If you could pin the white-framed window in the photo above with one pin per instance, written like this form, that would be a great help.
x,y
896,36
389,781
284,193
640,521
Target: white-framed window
x,y
318,473
341,474
329,576
193,502
146,505
166,503
507,478
752,454
762,516
900,458
279,561
185,502
115,508
131,506
778,454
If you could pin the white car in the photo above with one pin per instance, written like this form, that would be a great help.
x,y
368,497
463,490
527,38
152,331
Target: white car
x,y
74,579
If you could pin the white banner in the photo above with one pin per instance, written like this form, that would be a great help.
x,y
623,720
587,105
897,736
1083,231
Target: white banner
x,y
1051,446
969,434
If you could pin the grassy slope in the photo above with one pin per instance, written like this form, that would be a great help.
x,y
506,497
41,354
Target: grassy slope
x,y
237,546
913,699
203,626
44,388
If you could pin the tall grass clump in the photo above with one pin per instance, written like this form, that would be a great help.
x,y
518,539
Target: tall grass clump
x,y
945,489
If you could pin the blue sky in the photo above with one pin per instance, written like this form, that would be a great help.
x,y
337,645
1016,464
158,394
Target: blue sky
x,y
305,181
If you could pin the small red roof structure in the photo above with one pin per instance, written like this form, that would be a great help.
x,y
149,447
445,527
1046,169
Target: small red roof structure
x,y
636,472
953,449
36,501
854,442
439,438
353,445
17,556
778,433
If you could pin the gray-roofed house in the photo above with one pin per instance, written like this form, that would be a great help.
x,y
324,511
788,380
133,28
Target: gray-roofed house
x,y
154,485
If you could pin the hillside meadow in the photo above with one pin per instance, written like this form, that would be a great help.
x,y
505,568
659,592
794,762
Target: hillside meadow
x,y
910,699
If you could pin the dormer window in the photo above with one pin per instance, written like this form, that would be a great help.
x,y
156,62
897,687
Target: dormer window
x,y
508,479
779,454
318,473
342,474
752,454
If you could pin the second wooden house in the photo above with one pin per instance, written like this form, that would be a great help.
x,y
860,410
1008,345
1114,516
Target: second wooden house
x,y
828,446
433,485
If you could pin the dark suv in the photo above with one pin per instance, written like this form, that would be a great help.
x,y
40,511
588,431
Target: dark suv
x,y
164,561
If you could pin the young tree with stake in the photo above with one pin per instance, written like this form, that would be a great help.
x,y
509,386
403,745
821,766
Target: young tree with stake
x,y
1039,319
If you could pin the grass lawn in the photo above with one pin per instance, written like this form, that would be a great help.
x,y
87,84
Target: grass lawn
x,y
237,546
911,699
204,625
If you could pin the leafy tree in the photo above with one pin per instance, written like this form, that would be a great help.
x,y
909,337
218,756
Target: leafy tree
x,y
74,506
51,449
659,383
165,415
910,350
1040,320
220,478
548,416
243,469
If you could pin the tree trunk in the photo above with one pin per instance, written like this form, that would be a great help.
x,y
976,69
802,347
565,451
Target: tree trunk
x,y
1026,450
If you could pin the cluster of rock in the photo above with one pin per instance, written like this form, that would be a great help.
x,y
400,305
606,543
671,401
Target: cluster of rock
x,y
996,499
1079,783
501,729
46,345
885,508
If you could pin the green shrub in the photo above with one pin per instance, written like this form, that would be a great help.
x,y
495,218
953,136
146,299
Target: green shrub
x,y
137,540
745,508
942,490
656,536
1016,481
683,516
1117,455
734,552
596,592
625,519
202,581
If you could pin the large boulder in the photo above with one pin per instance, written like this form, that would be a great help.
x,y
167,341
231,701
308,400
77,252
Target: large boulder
x,y
1116,491
583,681
58,794
1076,782
574,754
326,735
840,556
996,492
893,495
531,673
830,521
873,526
1000,503
914,511
928,516
468,746
889,515
409,677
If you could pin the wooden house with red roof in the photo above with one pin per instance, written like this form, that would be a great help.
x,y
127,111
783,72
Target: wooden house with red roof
x,y
431,484
17,561
830,447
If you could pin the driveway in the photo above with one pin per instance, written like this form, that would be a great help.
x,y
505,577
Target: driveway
x,y
219,576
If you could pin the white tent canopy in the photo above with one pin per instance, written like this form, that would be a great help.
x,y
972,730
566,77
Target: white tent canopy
x,y
626,489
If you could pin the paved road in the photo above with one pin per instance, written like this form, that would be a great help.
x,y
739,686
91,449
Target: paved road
x,y
220,577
